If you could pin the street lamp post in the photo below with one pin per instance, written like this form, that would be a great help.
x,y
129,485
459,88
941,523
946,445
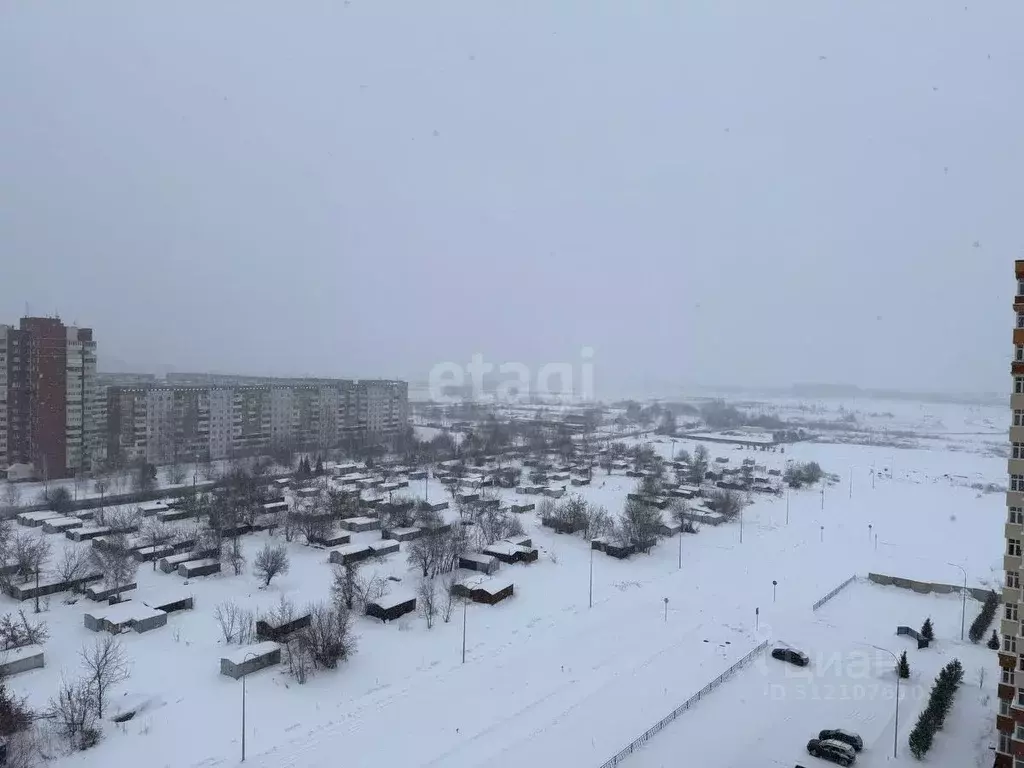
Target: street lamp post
x,y
464,604
775,585
666,609
869,533
591,605
741,526
963,600
823,533
787,506
244,659
680,547
896,725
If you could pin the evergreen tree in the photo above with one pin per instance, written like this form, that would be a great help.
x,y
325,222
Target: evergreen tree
x,y
319,465
920,740
993,642
903,668
926,630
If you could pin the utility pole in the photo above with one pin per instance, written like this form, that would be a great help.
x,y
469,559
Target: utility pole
x,y
464,604
591,605
666,610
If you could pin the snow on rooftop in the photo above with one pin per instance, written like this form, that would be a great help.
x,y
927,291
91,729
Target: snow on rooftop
x,y
351,549
16,654
493,586
392,600
478,557
250,652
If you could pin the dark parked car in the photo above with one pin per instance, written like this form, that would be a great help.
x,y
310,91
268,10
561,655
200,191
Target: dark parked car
x,y
792,655
835,751
838,734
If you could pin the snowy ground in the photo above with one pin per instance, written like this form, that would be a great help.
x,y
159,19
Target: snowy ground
x,y
548,680
850,684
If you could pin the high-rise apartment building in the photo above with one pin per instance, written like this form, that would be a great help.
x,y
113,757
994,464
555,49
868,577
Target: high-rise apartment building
x,y
1010,718
48,406
167,423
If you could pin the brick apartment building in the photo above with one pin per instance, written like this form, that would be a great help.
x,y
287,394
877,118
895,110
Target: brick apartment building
x,y
164,423
1010,718
49,423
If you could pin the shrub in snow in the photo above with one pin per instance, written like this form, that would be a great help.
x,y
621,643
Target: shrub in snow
x,y
926,630
984,618
993,642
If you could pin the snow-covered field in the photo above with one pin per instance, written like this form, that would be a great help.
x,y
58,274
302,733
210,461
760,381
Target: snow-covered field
x,y
548,680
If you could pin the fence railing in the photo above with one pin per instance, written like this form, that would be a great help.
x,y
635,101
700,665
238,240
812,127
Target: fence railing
x,y
690,702
834,592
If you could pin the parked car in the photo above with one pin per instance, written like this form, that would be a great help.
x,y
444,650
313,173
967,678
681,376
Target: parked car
x,y
834,751
792,655
838,734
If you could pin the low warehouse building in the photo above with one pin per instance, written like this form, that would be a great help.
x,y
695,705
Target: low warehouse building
x,y
476,561
21,660
61,524
391,607
383,547
250,658
351,553
204,567
124,616
361,524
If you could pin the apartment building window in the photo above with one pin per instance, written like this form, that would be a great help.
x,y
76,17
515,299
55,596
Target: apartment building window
x,y
1018,451
1004,738
1018,353
1018,417
1013,547
1004,707
1020,287
1018,385
1017,482
1009,676
1018,762
1020,319
1013,579
1016,515
1011,611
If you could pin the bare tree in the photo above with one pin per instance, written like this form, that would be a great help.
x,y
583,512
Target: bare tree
x,y
640,524
270,561
116,561
233,553
73,563
727,503
155,533
237,625
598,522
352,589
679,510
427,600
175,473
73,712
19,631
12,496
106,665
448,599
328,639
699,465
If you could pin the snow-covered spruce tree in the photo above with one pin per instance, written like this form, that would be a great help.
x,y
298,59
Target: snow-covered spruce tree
x,y
984,618
926,630
993,642
921,740
903,668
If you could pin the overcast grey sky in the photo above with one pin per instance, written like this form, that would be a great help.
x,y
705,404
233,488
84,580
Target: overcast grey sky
x,y
710,191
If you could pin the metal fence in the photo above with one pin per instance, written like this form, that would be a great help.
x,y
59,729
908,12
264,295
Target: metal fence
x,y
690,702
834,592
